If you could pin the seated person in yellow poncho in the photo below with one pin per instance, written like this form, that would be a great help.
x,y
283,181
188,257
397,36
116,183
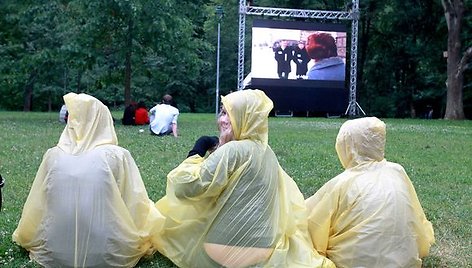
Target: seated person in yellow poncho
x,y
236,207
88,206
369,215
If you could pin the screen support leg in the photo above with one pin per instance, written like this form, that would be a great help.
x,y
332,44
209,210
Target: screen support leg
x,y
357,107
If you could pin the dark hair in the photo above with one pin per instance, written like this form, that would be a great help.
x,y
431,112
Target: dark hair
x,y
141,104
320,46
167,99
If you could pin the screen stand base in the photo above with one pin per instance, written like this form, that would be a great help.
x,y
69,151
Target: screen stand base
x,y
283,113
356,108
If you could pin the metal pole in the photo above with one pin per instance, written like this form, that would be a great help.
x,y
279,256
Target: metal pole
x,y
2,182
217,72
242,28
219,15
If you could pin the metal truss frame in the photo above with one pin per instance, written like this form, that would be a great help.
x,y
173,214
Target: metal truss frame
x,y
352,14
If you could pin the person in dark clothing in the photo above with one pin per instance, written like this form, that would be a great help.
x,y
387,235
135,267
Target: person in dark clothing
x,y
129,114
283,56
301,59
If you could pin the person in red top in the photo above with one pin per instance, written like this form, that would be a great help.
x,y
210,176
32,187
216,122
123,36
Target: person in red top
x,y
141,116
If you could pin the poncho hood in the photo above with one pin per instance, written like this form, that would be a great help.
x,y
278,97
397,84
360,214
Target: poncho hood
x,y
361,140
248,111
89,125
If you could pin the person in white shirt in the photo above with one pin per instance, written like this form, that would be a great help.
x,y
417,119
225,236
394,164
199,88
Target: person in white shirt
x,y
63,114
163,119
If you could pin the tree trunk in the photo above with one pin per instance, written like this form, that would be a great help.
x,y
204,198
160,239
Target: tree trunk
x,y
454,10
28,93
79,80
365,24
49,101
66,82
129,44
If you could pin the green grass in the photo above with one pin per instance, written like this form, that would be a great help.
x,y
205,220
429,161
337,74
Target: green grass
x,y
435,153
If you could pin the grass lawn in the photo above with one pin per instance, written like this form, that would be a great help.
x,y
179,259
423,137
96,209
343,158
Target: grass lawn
x,y
435,153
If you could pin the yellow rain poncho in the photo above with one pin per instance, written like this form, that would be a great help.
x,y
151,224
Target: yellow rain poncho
x,y
369,215
237,207
88,206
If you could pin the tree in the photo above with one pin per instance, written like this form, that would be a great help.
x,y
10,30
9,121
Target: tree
x,y
454,13
399,59
121,51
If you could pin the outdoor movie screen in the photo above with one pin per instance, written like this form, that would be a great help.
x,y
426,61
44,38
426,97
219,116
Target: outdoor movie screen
x,y
298,54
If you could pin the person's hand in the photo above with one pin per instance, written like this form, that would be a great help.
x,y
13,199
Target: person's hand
x,y
203,144
226,135
226,130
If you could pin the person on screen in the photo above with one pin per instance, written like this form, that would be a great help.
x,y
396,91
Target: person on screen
x,y
301,59
321,47
234,206
369,215
88,206
283,56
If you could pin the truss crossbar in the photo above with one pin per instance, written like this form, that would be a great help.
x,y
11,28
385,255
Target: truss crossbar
x,y
298,13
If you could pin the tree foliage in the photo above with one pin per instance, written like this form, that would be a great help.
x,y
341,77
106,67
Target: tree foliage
x,y
131,50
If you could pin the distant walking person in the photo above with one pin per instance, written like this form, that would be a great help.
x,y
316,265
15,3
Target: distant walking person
x,y
164,118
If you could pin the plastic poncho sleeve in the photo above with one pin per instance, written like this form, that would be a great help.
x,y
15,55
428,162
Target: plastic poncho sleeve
x,y
147,219
423,228
321,207
34,209
196,178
